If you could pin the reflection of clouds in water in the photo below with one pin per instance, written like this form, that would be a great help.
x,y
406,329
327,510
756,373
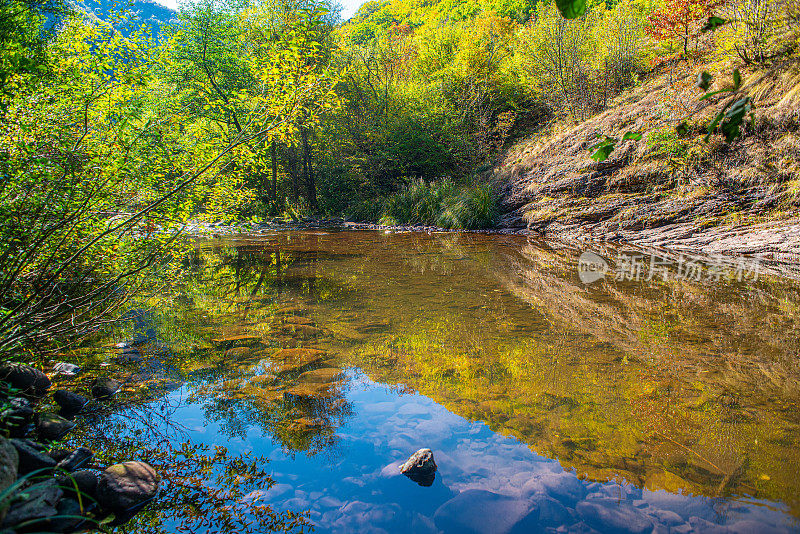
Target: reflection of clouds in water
x,y
485,483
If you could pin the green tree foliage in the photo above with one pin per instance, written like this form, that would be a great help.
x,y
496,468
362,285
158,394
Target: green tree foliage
x,y
105,151
249,108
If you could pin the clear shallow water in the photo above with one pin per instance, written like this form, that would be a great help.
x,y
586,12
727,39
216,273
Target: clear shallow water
x,y
550,404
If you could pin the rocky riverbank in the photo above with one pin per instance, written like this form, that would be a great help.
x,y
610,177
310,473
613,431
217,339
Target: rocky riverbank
x,y
46,488
679,192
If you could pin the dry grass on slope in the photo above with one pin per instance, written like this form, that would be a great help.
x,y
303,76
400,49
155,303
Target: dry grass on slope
x,y
666,189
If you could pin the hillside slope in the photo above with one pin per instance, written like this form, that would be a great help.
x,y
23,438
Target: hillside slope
x,y
665,190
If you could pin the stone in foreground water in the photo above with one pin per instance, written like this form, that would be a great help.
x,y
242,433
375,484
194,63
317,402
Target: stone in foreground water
x,y
125,486
420,467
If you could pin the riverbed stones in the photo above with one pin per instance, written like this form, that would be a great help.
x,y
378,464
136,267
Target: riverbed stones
x,y
30,457
29,380
612,516
125,486
296,359
69,516
9,461
39,505
76,459
420,467
69,402
53,427
323,375
67,370
480,511
58,454
16,419
83,482
104,388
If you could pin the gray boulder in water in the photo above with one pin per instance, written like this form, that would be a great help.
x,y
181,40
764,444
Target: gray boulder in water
x,y
70,403
52,427
420,467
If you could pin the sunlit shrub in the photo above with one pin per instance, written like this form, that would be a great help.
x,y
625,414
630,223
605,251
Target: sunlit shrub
x,y
475,208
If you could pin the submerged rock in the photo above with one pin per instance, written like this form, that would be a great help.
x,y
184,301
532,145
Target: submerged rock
x,y
52,427
104,388
479,511
420,467
27,379
324,375
612,516
70,403
123,487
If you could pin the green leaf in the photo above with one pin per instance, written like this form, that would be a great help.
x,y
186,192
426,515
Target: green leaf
x,y
571,9
713,23
731,127
602,153
632,136
704,80
713,124
603,149
712,93
682,129
737,79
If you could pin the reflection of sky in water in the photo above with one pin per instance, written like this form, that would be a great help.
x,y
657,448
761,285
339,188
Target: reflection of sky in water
x,y
485,483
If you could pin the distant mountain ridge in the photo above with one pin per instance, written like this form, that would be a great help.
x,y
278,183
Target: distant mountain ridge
x,y
145,11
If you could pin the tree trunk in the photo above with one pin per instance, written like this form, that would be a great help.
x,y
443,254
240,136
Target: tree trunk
x,y
308,172
291,157
274,158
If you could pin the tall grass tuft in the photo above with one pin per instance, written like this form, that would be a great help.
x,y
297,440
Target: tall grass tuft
x,y
475,208
444,204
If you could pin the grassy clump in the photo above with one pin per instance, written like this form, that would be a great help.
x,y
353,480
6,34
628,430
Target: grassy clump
x,y
442,203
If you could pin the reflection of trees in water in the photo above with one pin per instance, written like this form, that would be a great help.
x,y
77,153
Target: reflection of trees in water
x,y
670,385
677,386
202,488
299,414
268,295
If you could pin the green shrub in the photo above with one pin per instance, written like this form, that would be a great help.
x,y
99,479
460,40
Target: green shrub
x,y
365,210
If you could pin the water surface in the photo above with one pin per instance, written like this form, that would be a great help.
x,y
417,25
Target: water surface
x,y
550,404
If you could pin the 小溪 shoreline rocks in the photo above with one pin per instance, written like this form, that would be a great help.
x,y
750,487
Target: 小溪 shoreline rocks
x,y
54,489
